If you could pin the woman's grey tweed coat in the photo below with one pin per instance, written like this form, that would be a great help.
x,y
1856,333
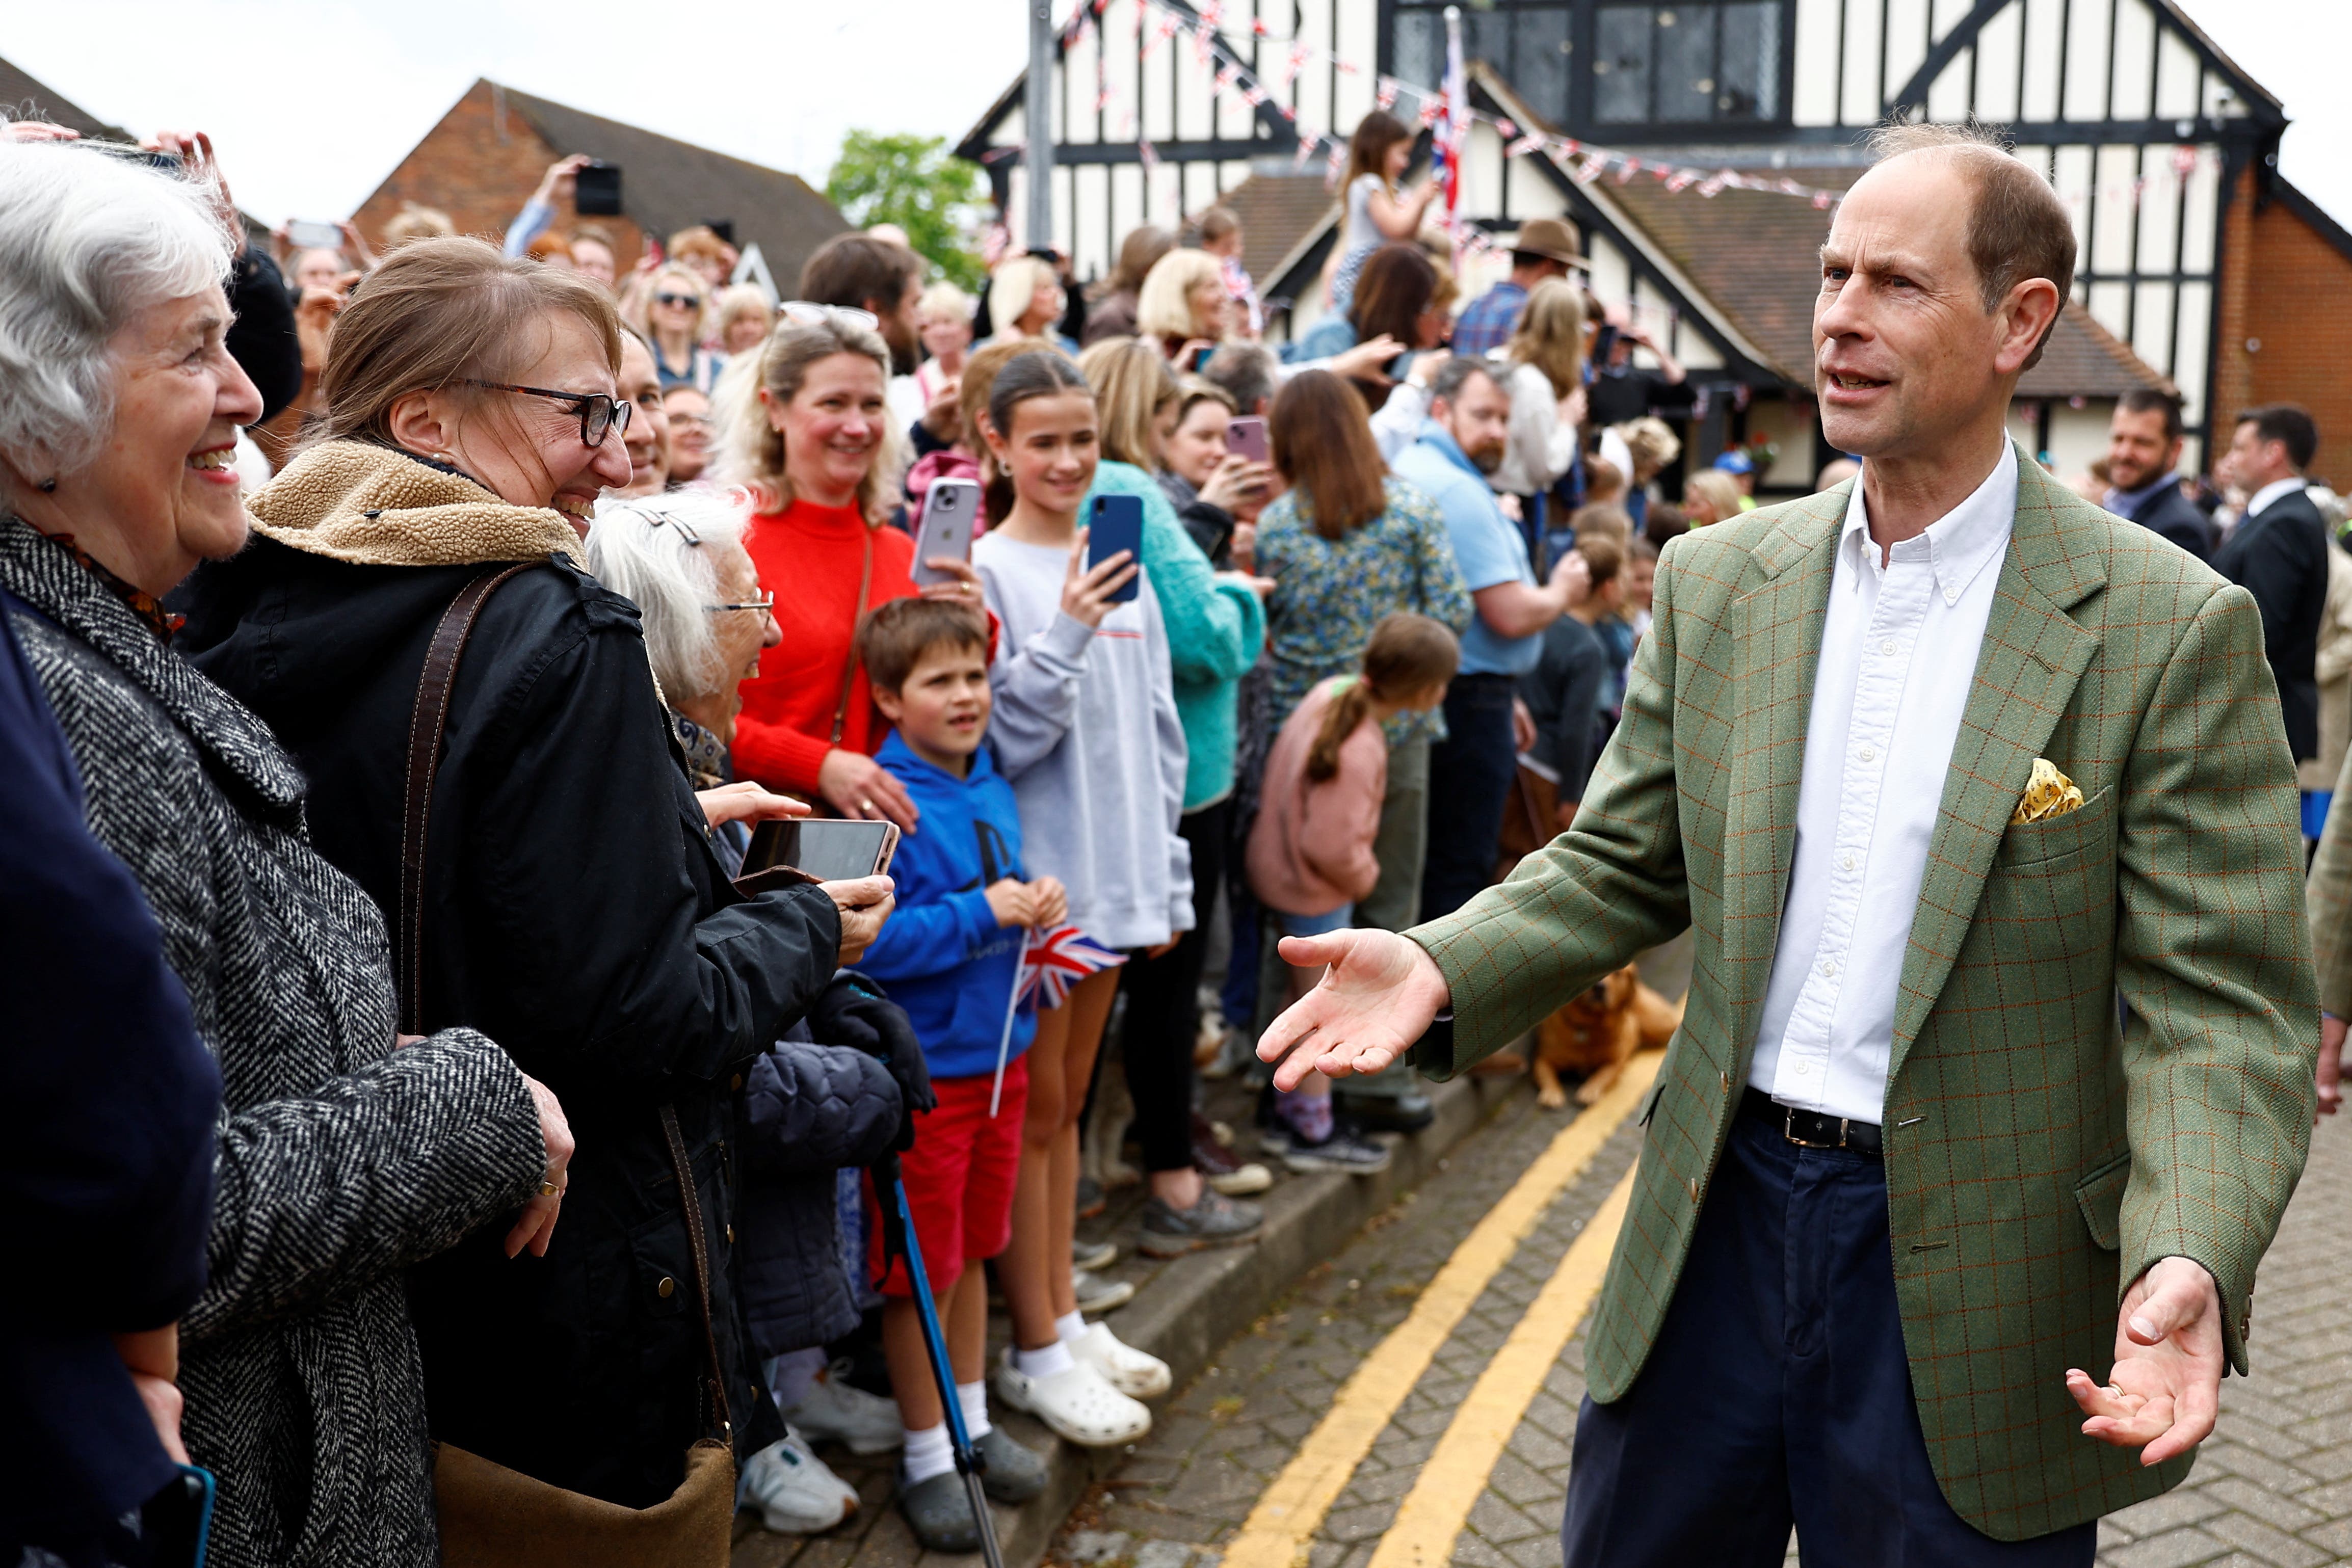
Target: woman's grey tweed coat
x,y
342,1160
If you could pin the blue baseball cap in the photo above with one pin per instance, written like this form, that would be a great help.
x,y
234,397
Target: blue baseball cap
x,y
1736,461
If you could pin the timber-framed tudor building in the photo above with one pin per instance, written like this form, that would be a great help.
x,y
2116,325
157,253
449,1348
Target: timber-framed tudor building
x,y
2200,269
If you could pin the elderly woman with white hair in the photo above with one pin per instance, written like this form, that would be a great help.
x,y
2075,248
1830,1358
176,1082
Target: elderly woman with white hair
x,y
343,1159
680,559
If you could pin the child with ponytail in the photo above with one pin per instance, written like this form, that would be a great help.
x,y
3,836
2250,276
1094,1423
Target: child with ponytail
x,y
1310,851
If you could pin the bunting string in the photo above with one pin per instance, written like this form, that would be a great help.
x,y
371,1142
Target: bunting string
x,y
1232,80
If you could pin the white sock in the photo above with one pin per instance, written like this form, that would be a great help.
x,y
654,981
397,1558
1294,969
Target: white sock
x,y
1071,1327
973,1397
928,1453
1045,1362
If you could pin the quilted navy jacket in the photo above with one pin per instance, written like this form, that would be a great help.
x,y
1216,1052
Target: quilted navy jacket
x,y
812,1109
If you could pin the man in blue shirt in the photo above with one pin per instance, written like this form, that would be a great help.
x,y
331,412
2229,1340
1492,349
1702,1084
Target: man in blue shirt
x,y
1470,771
2143,463
1545,249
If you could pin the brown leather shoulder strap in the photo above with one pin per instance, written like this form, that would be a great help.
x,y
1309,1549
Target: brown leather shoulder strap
x,y
698,1244
427,724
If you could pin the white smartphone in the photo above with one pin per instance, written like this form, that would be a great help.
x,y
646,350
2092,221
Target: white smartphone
x,y
950,508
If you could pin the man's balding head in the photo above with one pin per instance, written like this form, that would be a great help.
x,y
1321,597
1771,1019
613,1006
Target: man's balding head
x,y
1941,279
2017,227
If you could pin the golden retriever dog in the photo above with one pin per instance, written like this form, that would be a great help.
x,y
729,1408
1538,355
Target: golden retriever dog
x,y
1598,1033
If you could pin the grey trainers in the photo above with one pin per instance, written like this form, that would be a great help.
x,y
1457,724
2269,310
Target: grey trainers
x,y
1014,1474
1086,1254
941,1511
1215,1220
1345,1150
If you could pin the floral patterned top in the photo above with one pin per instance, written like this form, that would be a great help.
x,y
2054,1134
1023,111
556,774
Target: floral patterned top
x,y
1329,594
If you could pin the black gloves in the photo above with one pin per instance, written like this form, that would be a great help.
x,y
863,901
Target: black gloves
x,y
855,1012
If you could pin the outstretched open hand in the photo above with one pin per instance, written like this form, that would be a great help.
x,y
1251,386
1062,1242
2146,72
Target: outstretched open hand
x,y
2165,1387
1381,992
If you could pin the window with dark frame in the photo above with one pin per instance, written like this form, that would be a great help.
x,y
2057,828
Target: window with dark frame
x,y
1687,62
1652,63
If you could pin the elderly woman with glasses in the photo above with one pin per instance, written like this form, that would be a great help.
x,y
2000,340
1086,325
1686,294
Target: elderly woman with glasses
x,y
571,902
342,1160
812,439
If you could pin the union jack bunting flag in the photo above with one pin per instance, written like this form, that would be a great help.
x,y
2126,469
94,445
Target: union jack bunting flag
x,y
1056,960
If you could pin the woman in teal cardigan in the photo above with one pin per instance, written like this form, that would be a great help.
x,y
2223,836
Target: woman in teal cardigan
x,y
1216,628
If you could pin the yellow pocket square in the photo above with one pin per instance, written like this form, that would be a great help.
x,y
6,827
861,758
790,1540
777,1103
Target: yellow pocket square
x,y
2048,794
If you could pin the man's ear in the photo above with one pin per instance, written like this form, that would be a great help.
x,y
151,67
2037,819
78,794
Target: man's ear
x,y
2027,316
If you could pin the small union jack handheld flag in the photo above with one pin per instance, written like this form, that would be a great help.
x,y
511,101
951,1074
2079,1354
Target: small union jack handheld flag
x,y
1050,965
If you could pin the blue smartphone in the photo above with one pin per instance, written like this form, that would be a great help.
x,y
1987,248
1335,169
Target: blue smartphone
x,y
1116,524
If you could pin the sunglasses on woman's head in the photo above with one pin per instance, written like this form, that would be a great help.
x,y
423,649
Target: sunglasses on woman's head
x,y
808,313
690,300
599,415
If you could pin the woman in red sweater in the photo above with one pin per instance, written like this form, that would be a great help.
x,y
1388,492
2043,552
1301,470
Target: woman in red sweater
x,y
818,452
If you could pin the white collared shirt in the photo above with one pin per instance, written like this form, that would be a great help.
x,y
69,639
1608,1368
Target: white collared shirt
x,y
2277,490
1898,655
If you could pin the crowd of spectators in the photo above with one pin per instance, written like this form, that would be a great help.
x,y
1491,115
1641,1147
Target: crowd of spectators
x,y
383,994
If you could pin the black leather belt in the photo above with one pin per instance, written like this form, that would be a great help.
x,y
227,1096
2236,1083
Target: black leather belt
x,y
1812,1129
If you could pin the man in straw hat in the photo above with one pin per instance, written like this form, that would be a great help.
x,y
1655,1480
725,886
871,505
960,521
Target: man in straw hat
x,y
1545,249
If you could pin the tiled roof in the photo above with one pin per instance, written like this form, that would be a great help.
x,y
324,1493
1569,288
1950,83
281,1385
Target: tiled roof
x,y
1276,211
668,185
1753,254
23,97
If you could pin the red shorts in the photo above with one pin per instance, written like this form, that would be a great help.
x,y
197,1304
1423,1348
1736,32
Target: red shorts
x,y
960,1178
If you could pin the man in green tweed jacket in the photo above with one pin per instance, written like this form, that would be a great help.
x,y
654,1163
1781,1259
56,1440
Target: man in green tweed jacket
x,y
1925,1255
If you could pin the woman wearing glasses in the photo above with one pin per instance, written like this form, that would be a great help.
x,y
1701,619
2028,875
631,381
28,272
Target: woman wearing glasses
x,y
816,448
677,320
572,905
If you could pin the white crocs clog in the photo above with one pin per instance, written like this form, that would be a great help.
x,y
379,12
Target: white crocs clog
x,y
1136,1374
1078,1404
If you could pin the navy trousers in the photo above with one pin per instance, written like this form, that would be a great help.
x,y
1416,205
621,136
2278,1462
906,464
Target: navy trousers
x,y
1778,1393
1470,774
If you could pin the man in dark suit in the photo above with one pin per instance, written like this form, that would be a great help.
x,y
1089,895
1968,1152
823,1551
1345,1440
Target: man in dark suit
x,y
2278,552
2143,463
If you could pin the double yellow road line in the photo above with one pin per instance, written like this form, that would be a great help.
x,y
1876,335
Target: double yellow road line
x,y
1278,1529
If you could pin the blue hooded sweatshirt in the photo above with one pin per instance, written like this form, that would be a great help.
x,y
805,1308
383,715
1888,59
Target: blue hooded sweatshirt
x,y
944,957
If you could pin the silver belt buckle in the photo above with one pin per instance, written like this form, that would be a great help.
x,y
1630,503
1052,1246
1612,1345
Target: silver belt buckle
x,y
1789,1126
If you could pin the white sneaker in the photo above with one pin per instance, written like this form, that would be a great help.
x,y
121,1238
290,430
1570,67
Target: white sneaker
x,y
1134,1372
1076,1404
795,1491
859,1421
1096,1294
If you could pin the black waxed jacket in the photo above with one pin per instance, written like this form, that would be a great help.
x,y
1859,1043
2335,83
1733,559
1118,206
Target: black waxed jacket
x,y
574,913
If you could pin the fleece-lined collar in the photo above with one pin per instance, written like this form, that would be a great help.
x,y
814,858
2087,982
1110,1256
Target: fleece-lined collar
x,y
372,506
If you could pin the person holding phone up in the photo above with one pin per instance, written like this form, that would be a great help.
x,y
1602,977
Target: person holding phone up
x,y
1086,727
817,450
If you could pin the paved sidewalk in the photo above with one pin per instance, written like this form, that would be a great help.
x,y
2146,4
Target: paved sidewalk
x,y
2272,1488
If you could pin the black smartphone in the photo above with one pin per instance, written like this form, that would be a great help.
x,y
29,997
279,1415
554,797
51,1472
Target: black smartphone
x,y
597,191
950,507
1115,524
175,1525
826,849
723,227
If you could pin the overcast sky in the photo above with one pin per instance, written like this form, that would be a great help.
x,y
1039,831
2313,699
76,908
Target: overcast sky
x,y
312,102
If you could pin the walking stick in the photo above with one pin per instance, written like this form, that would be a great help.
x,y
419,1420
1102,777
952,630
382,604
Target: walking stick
x,y
898,1236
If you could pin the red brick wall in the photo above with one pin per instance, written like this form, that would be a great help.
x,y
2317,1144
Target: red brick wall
x,y
2286,288
481,172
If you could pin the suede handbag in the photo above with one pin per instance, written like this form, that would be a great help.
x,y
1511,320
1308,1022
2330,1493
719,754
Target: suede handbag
x,y
490,1516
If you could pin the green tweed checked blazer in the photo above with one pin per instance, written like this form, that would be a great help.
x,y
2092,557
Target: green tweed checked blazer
x,y
2038,1158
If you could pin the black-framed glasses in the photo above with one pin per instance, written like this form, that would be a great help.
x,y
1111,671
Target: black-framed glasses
x,y
599,415
666,297
762,605
809,313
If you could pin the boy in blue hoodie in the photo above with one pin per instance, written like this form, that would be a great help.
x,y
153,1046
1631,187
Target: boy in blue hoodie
x,y
951,954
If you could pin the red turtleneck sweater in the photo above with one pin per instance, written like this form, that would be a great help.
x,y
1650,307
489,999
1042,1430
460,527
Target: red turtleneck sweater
x,y
809,556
